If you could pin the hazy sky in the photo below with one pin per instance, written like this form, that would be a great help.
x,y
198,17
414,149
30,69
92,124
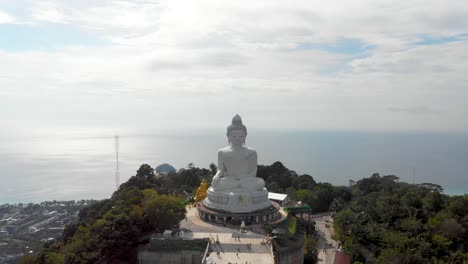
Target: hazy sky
x,y
367,65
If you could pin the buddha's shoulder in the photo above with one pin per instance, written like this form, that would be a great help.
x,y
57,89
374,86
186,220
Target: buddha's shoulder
x,y
229,150
225,149
251,150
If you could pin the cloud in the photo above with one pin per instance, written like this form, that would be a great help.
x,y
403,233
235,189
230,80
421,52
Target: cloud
x,y
5,18
310,64
113,17
414,109
420,59
204,59
264,25
48,11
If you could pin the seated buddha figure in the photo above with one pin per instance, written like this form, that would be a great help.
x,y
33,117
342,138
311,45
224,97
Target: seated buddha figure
x,y
237,164
236,187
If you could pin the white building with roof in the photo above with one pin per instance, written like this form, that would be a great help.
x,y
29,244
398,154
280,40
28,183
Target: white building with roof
x,y
279,198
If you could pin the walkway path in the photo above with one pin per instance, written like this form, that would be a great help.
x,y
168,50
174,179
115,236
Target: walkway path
x,y
248,248
326,246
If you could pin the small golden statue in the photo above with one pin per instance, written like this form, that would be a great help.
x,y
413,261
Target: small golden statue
x,y
201,191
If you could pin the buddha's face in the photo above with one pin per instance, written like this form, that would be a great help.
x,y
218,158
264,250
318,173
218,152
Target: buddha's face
x,y
236,137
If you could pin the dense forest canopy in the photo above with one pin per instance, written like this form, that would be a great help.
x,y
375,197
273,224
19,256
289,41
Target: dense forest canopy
x,y
388,221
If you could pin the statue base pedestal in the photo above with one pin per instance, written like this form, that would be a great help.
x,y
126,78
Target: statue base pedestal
x,y
266,215
239,200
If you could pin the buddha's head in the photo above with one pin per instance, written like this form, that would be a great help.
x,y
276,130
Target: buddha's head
x,y
236,132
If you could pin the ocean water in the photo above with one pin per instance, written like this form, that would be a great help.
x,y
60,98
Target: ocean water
x,y
82,165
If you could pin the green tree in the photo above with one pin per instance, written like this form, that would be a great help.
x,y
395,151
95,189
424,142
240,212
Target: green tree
x,y
440,245
213,168
451,229
278,174
304,181
28,259
163,212
310,249
411,225
432,203
54,258
304,195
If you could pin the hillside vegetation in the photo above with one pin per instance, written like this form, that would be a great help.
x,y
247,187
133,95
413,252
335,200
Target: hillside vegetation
x,y
378,220
110,230
388,221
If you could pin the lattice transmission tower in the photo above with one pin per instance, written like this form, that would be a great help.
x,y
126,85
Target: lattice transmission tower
x,y
117,171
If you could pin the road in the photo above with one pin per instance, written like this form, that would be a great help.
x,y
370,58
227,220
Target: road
x,y
326,246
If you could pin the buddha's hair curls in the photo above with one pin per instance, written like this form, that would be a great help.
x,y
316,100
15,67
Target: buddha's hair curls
x,y
236,124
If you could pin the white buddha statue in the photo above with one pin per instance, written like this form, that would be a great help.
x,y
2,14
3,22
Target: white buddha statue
x,y
235,187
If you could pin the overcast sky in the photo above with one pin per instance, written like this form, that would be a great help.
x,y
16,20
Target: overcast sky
x,y
353,65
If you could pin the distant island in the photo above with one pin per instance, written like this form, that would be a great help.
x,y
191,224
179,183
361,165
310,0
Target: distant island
x,y
377,219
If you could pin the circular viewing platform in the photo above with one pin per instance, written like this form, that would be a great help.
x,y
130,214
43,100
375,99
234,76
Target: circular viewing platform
x,y
266,215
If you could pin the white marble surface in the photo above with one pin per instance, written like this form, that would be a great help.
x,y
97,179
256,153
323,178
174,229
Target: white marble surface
x,y
236,187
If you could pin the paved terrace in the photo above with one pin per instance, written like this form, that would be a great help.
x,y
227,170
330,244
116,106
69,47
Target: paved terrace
x,y
249,248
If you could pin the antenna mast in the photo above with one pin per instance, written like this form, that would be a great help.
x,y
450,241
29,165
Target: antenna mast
x,y
117,172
